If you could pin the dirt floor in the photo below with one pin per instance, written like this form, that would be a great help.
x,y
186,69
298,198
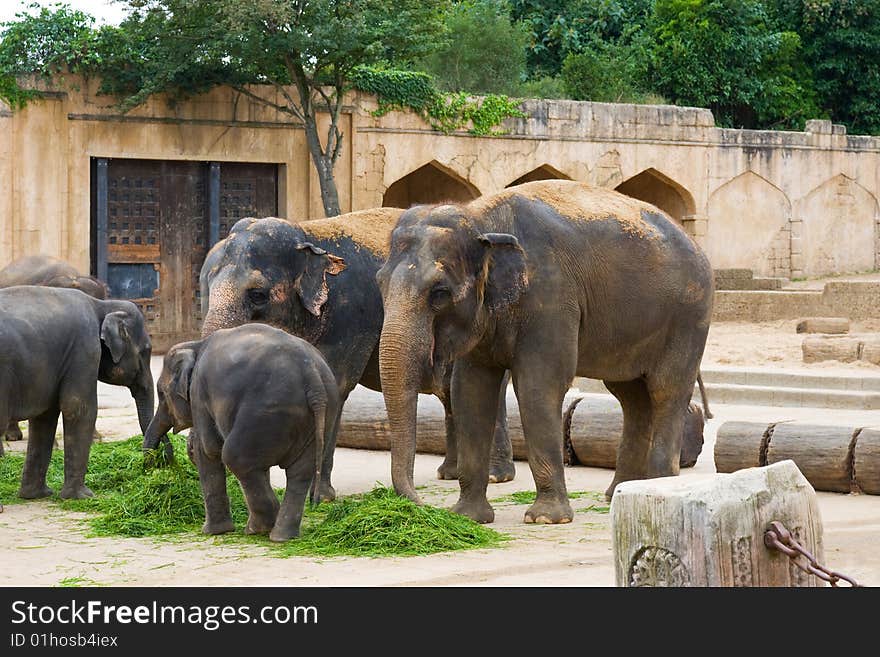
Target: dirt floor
x,y
45,546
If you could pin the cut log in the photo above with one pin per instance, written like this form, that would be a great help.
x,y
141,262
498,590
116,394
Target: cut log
x,y
831,325
593,427
596,426
824,454
866,461
844,349
740,445
675,531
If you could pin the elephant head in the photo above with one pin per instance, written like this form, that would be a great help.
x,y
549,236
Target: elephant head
x,y
266,271
125,356
443,282
174,411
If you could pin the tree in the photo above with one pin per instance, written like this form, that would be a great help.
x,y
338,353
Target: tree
x,y
184,47
485,52
724,55
841,46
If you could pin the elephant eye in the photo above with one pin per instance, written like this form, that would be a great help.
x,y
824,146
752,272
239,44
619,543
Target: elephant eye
x,y
440,297
258,297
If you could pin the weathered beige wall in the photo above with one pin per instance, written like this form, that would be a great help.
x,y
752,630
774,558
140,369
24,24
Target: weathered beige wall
x,y
770,201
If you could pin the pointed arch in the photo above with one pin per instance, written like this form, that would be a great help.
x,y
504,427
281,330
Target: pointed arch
x,y
430,183
750,226
659,189
543,172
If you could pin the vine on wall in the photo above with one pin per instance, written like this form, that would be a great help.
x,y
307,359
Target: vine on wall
x,y
445,112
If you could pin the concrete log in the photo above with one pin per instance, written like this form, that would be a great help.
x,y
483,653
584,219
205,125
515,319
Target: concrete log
x,y
831,325
678,532
740,445
593,426
822,453
816,349
866,461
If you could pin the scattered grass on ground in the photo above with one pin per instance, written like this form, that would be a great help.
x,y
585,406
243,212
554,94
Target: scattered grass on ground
x,y
529,496
132,501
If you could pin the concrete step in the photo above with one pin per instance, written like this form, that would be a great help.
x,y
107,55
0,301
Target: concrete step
x,y
768,387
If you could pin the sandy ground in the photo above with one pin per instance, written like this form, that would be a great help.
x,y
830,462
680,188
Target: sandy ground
x,y
45,546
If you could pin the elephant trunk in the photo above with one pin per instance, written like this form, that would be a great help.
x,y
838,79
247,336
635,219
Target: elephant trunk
x,y
404,348
142,391
224,309
157,430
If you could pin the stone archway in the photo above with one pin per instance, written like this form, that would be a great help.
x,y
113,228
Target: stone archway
x,y
430,183
543,172
658,189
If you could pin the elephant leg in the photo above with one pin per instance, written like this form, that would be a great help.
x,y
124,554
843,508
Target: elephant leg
x,y
325,487
449,468
635,441
41,440
299,478
670,410
212,479
13,432
79,410
540,406
501,467
261,500
475,400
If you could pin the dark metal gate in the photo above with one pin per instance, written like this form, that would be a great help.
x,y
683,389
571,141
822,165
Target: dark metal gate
x,y
152,223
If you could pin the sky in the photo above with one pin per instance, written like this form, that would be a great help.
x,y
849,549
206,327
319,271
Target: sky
x,y
104,11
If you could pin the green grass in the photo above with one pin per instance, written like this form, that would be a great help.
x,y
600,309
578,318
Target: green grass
x,y
529,496
70,582
167,502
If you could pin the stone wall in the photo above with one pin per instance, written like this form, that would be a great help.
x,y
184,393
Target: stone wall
x,y
790,204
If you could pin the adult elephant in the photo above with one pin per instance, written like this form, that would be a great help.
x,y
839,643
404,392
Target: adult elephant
x,y
317,280
51,272
55,345
549,280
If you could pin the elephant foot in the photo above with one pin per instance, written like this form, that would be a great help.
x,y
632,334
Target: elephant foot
x,y
34,492
549,512
281,534
78,492
501,472
258,526
619,479
220,527
481,511
448,470
328,493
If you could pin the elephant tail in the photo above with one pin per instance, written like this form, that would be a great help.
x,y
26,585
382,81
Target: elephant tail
x,y
705,400
317,397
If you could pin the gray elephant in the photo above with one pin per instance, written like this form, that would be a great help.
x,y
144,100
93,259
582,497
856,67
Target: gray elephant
x,y
55,345
51,272
549,279
255,397
290,276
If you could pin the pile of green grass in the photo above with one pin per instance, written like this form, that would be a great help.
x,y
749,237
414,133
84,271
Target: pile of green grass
x,y
131,500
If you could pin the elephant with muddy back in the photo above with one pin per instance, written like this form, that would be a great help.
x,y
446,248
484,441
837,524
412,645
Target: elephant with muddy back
x,y
55,345
549,280
317,280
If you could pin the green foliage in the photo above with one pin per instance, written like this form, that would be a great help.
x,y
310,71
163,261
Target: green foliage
x,y
543,87
725,55
445,112
484,52
166,502
841,53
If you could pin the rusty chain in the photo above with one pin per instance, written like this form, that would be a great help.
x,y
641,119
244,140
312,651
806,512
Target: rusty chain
x,y
777,537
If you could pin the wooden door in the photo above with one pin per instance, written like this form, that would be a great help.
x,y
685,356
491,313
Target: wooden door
x,y
153,222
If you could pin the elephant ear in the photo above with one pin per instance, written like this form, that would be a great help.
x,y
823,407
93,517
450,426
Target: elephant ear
x,y
182,367
114,334
504,270
311,284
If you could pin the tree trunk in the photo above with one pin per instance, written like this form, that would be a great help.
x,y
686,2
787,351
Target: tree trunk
x,y
324,166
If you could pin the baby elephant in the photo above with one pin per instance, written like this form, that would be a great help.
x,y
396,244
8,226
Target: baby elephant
x,y
255,397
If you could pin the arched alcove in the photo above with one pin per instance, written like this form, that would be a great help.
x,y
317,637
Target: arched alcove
x,y
660,190
431,183
543,172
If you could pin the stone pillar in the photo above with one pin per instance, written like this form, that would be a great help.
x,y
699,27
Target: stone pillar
x,y
697,226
